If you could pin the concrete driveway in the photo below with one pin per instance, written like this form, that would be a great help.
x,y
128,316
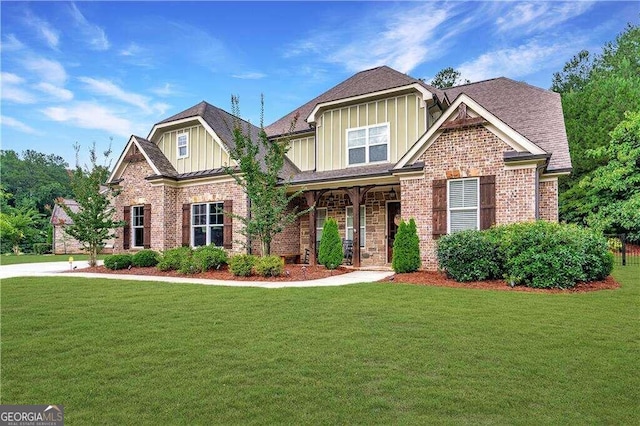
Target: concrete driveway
x,y
38,269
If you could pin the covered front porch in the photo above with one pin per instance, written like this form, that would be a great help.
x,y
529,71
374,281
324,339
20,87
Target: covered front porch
x,y
375,226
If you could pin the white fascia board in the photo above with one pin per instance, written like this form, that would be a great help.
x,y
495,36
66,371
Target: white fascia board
x,y
496,126
425,96
119,164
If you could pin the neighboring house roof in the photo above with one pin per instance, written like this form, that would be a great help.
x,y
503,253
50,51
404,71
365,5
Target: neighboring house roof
x,y
533,112
222,123
59,216
364,82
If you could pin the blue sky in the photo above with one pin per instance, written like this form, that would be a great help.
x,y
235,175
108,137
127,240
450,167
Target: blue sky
x,y
94,71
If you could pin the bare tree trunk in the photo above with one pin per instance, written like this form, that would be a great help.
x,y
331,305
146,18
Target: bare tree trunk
x,y
93,255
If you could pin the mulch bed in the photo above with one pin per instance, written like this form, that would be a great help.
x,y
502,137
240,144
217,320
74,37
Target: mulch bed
x,y
307,272
292,273
440,279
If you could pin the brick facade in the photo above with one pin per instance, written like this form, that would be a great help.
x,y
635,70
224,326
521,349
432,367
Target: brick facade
x,y
548,200
467,152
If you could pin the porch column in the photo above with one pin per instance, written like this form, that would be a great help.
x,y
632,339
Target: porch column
x,y
357,194
310,197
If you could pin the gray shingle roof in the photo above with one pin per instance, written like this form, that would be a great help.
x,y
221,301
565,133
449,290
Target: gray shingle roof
x,y
364,82
156,156
533,112
59,216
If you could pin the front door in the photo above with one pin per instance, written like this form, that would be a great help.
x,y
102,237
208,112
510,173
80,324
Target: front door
x,y
393,219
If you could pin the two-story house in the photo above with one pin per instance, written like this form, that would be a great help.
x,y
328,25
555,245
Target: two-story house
x,y
379,147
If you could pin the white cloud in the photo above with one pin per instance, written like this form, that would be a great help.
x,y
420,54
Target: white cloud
x,y
132,50
94,35
17,124
59,93
165,90
11,43
90,116
516,62
402,39
528,17
49,34
249,75
48,70
12,92
109,89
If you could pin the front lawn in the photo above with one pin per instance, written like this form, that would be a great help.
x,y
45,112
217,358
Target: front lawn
x,y
125,352
11,259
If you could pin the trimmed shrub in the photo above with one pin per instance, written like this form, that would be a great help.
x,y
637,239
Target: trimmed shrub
x,y
469,256
188,266
145,258
209,257
172,259
406,248
241,265
330,253
598,260
117,261
269,266
41,248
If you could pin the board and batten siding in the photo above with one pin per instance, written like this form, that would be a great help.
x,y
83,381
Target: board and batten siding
x,y
204,152
405,114
302,152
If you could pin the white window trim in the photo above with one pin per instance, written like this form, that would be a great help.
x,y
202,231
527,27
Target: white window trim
x,y
449,208
207,225
363,224
186,134
367,145
319,230
134,227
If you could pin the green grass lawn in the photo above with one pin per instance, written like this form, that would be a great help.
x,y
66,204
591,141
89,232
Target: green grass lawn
x,y
123,352
11,259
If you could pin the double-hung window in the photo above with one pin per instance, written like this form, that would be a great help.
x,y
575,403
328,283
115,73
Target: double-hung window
x,y
321,217
464,204
183,145
349,227
137,226
207,224
368,144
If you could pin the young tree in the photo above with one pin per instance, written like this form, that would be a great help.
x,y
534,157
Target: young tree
x,y
447,77
93,224
16,226
330,252
260,163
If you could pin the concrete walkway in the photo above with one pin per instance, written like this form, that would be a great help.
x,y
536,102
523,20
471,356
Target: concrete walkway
x,y
53,269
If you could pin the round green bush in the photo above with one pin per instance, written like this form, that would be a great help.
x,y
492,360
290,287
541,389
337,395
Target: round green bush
x,y
117,261
468,256
241,265
269,266
209,257
406,248
172,259
330,253
145,258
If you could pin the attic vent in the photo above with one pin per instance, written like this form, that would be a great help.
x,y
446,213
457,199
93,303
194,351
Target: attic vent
x,y
462,112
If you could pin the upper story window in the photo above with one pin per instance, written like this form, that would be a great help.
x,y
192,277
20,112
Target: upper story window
x,y
463,204
183,145
137,226
368,144
207,224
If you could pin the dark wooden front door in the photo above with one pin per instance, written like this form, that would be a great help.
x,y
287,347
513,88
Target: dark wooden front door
x,y
393,219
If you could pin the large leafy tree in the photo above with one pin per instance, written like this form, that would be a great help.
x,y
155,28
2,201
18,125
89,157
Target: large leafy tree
x,y
596,93
260,163
612,192
447,77
94,223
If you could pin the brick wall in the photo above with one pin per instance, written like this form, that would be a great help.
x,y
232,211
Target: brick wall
x,y
467,152
64,244
548,194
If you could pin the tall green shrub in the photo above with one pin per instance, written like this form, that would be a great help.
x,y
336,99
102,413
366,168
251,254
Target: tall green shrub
x,y
469,256
172,259
406,248
330,253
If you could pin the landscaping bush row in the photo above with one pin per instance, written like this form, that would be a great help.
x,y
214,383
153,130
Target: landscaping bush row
x,y
189,261
536,254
